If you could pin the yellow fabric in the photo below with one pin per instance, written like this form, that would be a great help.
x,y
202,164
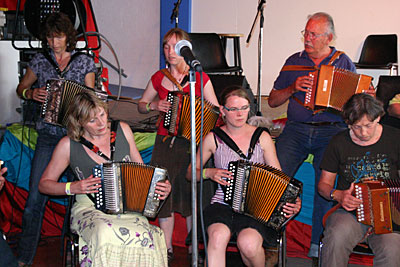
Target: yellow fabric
x,y
395,100
144,140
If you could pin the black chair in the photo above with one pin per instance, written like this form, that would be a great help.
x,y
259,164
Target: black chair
x,y
387,88
209,50
379,52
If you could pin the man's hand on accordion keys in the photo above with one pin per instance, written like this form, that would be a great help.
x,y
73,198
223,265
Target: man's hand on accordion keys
x,y
346,198
163,189
89,185
291,209
303,83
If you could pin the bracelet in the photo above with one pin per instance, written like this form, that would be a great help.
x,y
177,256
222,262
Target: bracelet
x,y
332,194
68,189
24,93
204,174
148,108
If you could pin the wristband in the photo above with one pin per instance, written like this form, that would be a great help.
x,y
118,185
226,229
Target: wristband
x,y
68,189
204,174
332,194
148,108
24,93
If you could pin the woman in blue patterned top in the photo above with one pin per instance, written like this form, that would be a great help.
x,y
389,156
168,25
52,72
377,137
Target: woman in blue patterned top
x,y
57,60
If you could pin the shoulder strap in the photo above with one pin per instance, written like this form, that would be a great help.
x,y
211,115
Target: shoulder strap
x,y
227,140
171,78
335,56
256,135
55,65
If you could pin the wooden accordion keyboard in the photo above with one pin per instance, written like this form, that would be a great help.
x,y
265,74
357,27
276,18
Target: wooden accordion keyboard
x,y
60,96
380,206
177,119
332,87
128,187
260,191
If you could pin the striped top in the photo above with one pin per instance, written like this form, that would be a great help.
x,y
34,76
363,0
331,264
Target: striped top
x,y
223,155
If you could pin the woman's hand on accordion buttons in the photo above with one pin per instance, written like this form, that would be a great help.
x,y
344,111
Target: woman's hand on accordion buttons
x,y
163,189
291,209
218,175
161,105
89,185
346,199
39,94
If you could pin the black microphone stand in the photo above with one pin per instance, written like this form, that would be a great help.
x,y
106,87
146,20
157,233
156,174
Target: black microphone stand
x,y
175,13
192,82
260,12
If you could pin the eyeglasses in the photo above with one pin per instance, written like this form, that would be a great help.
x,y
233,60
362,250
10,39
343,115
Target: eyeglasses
x,y
311,35
237,109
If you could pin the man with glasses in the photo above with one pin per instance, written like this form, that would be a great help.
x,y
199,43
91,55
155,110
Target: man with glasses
x,y
307,132
366,150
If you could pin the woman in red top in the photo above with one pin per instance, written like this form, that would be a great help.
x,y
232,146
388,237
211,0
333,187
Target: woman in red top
x,y
169,152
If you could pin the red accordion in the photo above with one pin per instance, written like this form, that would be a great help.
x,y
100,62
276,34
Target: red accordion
x,y
381,204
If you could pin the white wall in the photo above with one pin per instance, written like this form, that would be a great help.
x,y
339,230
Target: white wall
x,y
133,28
284,19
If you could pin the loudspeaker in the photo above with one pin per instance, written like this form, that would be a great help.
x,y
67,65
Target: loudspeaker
x,y
220,82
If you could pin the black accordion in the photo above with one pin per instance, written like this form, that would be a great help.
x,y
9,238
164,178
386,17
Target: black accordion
x,y
380,206
60,96
177,119
260,191
128,187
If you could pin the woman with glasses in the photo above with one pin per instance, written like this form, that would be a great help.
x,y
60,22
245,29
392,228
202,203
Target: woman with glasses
x,y
220,220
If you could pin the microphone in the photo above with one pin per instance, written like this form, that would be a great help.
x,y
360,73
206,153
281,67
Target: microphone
x,y
183,48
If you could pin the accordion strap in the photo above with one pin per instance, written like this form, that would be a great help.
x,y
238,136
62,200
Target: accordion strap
x,y
228,140
172,79
55,65
95,149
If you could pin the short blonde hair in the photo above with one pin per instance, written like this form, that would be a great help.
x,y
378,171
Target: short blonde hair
x,y
84,105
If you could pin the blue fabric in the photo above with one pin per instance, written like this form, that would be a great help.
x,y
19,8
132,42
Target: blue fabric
x,y
293,146
35,204
297,112
146,154
6,255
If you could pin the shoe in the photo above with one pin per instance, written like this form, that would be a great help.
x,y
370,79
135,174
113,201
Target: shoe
x,y
313,252
170,255
271,258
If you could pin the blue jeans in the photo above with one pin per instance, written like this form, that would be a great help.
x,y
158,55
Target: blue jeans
x,y
343,233
293,146
6,255
35,204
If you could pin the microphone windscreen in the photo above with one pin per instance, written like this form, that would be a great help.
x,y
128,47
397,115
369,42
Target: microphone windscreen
x,y
181,44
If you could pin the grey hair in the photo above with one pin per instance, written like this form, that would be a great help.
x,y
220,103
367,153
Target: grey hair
x,y
328,19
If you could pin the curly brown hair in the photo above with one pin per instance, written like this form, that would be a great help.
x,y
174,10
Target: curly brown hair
x,y
57,24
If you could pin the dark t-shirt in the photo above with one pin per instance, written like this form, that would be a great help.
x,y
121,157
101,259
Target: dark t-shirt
x,y
352,162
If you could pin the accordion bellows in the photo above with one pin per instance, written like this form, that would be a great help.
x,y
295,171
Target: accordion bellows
x,y
177,119
261,191
332,87
128,187
60,96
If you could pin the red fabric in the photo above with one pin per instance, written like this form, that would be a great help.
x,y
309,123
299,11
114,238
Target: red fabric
x,y
11,4
12,203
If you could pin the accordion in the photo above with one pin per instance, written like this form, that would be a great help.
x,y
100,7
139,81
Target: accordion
x,y
128,187
332,87
60,96
380,206
260,191
177,119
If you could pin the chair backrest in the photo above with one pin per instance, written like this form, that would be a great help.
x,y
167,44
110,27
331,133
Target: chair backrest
x,y
380,49
208,49
387,88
